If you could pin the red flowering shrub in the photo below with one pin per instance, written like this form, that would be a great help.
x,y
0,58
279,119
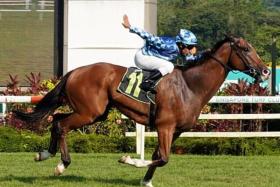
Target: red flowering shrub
x,y
242,88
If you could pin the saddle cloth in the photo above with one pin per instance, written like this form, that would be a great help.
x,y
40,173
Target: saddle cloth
x,y
130,83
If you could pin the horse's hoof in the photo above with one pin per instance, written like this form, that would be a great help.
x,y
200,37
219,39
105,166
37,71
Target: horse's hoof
x,y
146,183
59,169
142,163
124,159
37,157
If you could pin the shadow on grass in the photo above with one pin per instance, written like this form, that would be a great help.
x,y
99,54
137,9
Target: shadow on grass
x,y
70,178
29,179
118,181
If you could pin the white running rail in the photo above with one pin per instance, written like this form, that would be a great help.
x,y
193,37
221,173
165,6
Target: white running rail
x,y
141,134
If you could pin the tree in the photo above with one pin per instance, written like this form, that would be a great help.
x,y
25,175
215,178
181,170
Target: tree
x,y
210,20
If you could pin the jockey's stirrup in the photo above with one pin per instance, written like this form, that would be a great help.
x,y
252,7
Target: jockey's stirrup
x,y
150,82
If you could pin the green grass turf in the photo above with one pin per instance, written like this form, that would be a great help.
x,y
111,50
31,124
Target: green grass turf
x,y
19,169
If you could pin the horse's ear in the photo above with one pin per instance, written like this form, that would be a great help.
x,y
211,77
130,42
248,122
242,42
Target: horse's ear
x,y
226,35
229,36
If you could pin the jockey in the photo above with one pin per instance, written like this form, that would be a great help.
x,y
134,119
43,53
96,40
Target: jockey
x,y
158,53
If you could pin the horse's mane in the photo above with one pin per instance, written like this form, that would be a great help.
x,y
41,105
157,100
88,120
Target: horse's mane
x,y
207,54
220,43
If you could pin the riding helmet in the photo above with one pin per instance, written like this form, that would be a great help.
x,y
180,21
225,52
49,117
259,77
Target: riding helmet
x,y
186,37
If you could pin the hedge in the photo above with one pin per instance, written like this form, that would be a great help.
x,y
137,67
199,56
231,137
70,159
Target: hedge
x,y
228,146
12,140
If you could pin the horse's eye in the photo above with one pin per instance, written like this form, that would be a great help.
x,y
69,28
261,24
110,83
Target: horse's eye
x,y
246,49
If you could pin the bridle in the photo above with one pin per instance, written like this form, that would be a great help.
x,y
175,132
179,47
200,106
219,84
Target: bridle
x,y
241,53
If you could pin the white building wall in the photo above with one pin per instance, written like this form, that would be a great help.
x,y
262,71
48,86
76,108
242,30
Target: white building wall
x,y
94,33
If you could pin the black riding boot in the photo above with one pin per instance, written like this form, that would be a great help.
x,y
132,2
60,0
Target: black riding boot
x,y
149,83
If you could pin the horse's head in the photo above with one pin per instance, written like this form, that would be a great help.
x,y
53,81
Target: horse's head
x,y
243,57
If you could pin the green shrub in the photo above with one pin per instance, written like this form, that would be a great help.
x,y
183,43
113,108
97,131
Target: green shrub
x,y
126,144
86,143
229,146
12,140
80,144
19,141
102,144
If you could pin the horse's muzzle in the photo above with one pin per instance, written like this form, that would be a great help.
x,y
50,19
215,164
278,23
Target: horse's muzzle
x,y
265,74
261,75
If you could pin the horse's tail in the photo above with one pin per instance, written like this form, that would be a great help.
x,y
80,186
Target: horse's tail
x,y
48,104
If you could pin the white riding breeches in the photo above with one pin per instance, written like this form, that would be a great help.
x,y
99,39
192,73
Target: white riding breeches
x,y
152,62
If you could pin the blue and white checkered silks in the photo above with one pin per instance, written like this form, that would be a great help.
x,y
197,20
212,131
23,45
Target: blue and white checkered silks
x,y
161,47
159,52
186,37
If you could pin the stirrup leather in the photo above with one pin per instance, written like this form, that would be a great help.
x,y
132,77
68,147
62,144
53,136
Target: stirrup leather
x,y
148,85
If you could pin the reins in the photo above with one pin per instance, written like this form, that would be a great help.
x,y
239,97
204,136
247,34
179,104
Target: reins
x,y
225,66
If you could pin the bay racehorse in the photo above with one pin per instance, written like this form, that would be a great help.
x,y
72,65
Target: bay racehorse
x,y
91,90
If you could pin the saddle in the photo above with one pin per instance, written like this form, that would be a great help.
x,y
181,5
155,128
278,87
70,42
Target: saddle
x,y
130,85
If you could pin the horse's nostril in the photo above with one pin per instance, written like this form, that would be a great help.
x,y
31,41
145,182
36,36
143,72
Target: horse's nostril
x,y
252,70
265,72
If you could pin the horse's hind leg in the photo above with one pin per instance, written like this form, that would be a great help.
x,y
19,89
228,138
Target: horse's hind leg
x,y
55,134
74,121
160,156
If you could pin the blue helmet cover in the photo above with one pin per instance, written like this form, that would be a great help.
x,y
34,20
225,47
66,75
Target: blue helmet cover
x,y
186,37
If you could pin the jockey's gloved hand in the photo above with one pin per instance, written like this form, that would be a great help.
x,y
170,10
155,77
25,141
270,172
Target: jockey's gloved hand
x,y
126,23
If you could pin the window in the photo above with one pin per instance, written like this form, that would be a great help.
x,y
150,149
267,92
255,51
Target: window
x,y
27,39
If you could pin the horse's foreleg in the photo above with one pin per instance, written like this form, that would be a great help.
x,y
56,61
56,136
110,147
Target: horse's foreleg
x,y
161,154
147,181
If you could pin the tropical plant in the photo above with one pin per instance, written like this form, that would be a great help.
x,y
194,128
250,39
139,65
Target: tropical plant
x,y
12,87
241,88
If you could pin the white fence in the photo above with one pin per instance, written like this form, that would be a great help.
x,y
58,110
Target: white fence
x,y
141,134
17,99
